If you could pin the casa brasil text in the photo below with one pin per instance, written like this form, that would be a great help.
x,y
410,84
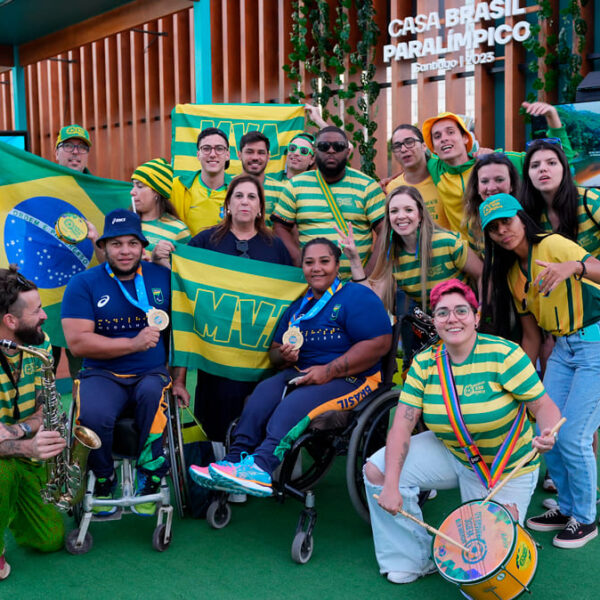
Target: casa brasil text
x,y
468,38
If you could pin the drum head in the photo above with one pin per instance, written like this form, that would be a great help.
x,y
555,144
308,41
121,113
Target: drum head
x,y
486,529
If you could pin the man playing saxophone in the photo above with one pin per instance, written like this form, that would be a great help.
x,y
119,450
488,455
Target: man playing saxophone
x,y
23,441
116,317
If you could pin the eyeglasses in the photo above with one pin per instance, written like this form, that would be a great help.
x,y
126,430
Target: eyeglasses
x,y
300,149
551,140
337,146
242,247
460,312
408,142
219,150
70,146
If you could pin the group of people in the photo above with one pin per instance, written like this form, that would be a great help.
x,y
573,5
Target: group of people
x,y
500,248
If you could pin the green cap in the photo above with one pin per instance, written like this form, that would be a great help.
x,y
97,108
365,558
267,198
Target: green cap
x,y
156,174
73,131
498,206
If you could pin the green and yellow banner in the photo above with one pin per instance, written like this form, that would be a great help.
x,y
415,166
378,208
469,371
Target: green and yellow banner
x,y
279,122
34,193
225,310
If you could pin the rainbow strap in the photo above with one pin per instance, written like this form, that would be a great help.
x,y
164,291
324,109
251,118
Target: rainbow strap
x,y
333,205
488,477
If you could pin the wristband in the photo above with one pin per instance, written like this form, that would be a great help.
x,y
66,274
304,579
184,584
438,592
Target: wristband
x,y
359,280
583,272
26,429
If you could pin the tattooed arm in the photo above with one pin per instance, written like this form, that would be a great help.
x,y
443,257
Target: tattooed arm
x,y
14,432
357,359
396,451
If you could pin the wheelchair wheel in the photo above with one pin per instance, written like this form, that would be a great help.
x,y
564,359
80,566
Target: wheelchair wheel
x,y
159,541
71,543
368,436
317,454
218,514
302,547
176,457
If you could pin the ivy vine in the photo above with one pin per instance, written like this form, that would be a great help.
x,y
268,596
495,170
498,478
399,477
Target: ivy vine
x,y
557,50
330,62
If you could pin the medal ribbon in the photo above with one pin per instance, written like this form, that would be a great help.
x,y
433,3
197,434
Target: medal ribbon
x,y
140,289
336,286
333,205
488,477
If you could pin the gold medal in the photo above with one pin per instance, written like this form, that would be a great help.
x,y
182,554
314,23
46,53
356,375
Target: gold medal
x,y
293,336
157,318
71,228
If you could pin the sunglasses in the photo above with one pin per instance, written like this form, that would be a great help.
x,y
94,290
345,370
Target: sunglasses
x,y
242,247
300,149
337,146
552,140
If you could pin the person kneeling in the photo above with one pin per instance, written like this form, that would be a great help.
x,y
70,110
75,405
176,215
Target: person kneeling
x,y
328,346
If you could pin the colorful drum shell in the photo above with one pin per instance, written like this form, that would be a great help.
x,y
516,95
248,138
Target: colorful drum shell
x,y
505,557
71,228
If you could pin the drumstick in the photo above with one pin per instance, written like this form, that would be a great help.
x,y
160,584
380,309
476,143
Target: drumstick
x,y
528,457
431,529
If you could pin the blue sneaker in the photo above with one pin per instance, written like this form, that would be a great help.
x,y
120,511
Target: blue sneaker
x,y
244,477
144,486
201,476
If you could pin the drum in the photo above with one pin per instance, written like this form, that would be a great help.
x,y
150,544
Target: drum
x,y
502,558
71,228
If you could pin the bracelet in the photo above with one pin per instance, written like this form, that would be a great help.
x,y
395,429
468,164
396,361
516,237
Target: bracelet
x,y
359,280
583,272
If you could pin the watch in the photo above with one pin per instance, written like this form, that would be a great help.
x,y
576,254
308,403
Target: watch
x,y
26,429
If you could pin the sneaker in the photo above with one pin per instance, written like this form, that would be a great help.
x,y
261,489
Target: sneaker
x,y
409,576
551,520
104,490
144,486
243,477
201,475
236,498
4,567
575,534
548,484
550,504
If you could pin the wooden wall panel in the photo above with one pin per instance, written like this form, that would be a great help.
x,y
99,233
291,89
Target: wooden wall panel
x,y
7,117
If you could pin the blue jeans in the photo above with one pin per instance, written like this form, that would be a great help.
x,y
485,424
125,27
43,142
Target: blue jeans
x,y
572,380
400,544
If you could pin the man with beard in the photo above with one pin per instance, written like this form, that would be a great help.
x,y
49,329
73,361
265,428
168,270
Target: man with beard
x,y
333,195
255,153
116,316
23,441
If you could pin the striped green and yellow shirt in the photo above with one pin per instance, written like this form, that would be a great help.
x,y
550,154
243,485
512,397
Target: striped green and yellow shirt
x,y
491,383
570,306
588,233
358,196
167,227
448,258
273,188
30,383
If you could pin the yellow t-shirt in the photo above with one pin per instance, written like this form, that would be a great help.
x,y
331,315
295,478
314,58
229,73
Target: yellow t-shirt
x,y
428,190
198,207
572,305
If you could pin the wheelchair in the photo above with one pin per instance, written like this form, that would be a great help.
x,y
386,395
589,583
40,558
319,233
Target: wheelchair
x,y
125,445
356,433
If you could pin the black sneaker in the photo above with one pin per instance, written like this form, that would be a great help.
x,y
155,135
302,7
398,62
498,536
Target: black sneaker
x,y
551,520
145,486
575,534
103,490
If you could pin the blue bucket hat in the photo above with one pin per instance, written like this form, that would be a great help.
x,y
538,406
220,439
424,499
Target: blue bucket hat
x,y
122,222
498,206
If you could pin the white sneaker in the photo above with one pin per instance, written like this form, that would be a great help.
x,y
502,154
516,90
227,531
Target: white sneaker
x,y
409,576
236,498
550,504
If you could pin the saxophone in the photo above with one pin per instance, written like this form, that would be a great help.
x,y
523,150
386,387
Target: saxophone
x,y
65,471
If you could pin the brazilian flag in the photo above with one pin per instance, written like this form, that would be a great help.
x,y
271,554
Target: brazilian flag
x,y
225,310
34,193
278,122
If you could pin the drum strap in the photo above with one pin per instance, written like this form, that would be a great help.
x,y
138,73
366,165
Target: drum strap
x,y
332,203
489,477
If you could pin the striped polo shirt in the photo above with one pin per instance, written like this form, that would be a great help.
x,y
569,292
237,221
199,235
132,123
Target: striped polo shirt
x,y
448,258
30,382
167,227
571,305
429,193
588,232
358,196
491,383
